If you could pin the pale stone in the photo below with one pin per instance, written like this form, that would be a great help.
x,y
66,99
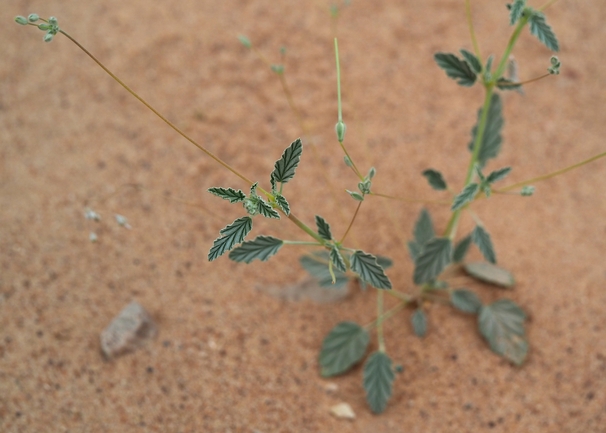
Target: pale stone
x,y
343,410
127,331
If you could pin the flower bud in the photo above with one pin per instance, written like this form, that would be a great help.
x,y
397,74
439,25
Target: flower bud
x,y
340,129
32,18
244,41
45,27
48,37
52,21
21,20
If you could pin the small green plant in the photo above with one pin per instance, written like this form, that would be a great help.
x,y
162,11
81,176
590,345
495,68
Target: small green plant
x,y
436,254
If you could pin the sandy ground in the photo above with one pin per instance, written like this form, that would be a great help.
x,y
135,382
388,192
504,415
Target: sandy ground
x,y
230,357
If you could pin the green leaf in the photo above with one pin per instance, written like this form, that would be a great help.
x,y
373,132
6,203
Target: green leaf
x,y
414,250
337,259
419,323
488,68
355,195
283,204
502,325
365,265
244,41
489,273
434,257
317,266
261,247
435,179
498,175
527,191
542,30
384,262
284,168
473,61
266,210
231,235
515,12
481,238
461,249
378,381
342,348
465,301
423,231
507,84
228,194
490,146
323,228
456,68
465,196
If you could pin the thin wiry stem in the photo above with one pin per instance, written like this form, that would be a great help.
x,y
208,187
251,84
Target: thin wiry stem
x,y
153,110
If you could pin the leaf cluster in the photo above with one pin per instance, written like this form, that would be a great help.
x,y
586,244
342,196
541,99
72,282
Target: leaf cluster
x,y
262,247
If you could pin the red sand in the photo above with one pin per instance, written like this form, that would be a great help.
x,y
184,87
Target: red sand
x,y
229,357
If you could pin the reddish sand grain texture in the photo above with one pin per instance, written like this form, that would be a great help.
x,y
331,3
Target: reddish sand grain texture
x,y
229,357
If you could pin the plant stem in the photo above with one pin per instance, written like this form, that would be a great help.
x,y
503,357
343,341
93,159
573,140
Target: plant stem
x,y
546,5
306,229
351,222
525,82
451,227
386,315
472,33
552,174
380,319
153,110
512,41
340,112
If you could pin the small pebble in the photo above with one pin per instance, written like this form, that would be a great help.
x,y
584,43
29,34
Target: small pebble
x,y
129,330
331,387
343,410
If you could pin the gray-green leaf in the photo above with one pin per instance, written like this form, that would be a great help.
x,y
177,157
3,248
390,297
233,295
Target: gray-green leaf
x,y
228,194
498,175
456,68
423,231
355,195
461,249
435,179
283,204
490,145
323,228
465,301
414,250
378,381
507,84
231,235
366,266
481,238
419,323
266,210
465,196
434,257
489,273
342,348
473,61
337,259
261,247
515,12
542,30
284,168
502,325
